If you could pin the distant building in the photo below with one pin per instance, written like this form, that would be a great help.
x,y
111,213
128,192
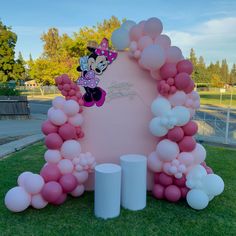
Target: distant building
x,y
31,83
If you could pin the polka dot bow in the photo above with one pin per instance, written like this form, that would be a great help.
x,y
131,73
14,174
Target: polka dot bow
x,y
103,49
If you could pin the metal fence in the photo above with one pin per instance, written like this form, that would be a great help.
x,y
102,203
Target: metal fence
x,y
216,124
36,91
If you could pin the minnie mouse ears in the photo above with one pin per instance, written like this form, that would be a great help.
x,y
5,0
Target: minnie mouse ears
x,y
103,49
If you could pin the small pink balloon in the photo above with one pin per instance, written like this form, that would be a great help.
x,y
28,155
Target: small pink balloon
x,y
60,200
153,27
187,144
68,183
51,191
67,131
180,182
52,156
182,80
53,141
186,158
172,89
170,81
209,170
176,134
168,70
66,87
190,128
50,172
48,127
158,191
185,66
65,79
165,179
72,92
38,202
135,33
172,193
78,191
144,41
65,166
58,80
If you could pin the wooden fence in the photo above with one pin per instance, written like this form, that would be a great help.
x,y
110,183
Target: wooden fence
x,y
14,107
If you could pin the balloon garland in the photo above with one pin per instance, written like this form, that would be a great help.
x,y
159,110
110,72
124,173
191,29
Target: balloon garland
x,y
178,163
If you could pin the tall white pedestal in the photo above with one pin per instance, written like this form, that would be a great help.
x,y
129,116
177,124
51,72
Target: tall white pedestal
x,y
107,190
133,187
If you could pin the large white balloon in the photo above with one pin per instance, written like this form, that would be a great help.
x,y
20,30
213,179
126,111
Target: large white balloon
x,y
199,154
160,106
194,177
212,184
17,199
120,38
156,128
181,114
197,199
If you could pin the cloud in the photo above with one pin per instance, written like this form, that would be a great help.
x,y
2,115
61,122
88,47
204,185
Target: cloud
x,y
214,39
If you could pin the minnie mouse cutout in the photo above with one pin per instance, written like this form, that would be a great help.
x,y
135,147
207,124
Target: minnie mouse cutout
x,y
90,66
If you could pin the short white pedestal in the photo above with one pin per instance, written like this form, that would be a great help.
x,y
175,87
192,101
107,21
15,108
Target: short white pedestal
x,y
107,190
133,187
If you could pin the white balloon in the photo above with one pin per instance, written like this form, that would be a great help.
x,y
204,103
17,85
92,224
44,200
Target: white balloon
x,y
197,199
120,38
17,199
160,106
156,128
38,202
181,114
128,24
22,177
199,153
34,184
194,177
212,184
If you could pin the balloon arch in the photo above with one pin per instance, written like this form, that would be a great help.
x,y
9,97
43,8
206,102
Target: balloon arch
x,y
178,163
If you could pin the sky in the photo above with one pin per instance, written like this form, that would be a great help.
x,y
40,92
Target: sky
x,y
208,26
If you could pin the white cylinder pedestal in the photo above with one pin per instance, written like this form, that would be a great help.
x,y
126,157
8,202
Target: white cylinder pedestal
x,y
107,190
134,185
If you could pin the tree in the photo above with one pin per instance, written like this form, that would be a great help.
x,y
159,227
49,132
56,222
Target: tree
x,y
225,71
233,75
216,81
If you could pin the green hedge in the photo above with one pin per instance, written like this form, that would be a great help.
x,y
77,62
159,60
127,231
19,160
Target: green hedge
x,y
9,92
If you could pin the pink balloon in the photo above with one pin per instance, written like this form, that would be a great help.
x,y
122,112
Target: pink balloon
x,y
53,141
133,46
135,33
182,81
167,150
163,40
137,54
185,66
168,70
180,182
70,149
156,178
58,102
57,116
178,99
176,134
199,154
153,27
186,158
172,89
64,93
51,191
72,92
153,162
155,74
165,179
172,193
52,156
60,200
71,107
190,87
76,120
48,127
81,176
184,191
144,41
173,55
38,202
68,183
158,191
190,128
50,172
58,80
66,87
65,166
187,144
66,79
67,131
78,191
170,81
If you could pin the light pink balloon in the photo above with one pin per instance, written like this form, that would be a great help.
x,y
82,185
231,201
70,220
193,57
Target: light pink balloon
x,y
153,162
155,74
186,158
173,55
38,202
144,41
70,149
71,107
152,57
178,99
141,24
58,102
78,191
34,184
135,33
133,46
81,176
52,156
22,177
76,120
65,166
167,150
199,154
57,116
153,27
163,40
137,54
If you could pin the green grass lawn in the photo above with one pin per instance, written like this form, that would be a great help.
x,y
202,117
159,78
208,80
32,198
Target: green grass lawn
x,y
75,216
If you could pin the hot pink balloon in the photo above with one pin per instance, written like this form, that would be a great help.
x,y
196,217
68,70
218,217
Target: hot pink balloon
x,y
158,191
184,191
153,27
144,41
67,131
156,178
135,33
168,70
66,87
187,144
50,172
176,134
51,191
182,81
190,128
48,127
165,179
190,87
53,141
180,182
185,66
60,200
68,183
172,193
